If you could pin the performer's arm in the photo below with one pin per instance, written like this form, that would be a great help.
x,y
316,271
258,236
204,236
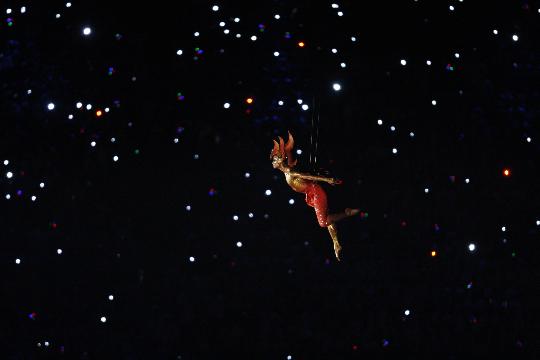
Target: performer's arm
x,y
331,181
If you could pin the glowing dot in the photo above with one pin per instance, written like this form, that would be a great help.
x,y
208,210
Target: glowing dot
x,y
299,101
515,37
343,65
247,175
9,174
179,52
17,261
196,33
506,172
403,62
428,62
426,190
57,16
176,140
433,253
99,113
111,298
87,31
336,87
407,312
503,229
392,128
289,357
6,162
89,107
68,4
394,151
276,53
334,51
33,198
250,215
226,31
215,8
305,107
277,17
280,103
411,134
235,217
196,156
115,158
70,117
299,151
239,244
113,139
226,105
268,192
103,319
456,55
291,201
472,247
467,180
23,9
253,38
301,44
380,122
495,32
238,36
188,207
8,196
93,144
433,102
8,11
79,105
249,100
59,251
537,222
222,24
451,8
335,6
191,259
528,139
340,13
236,20
46,343
50,106
353,39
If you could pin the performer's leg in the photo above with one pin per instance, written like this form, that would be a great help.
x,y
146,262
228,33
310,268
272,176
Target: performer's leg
x,y
333,234
332,218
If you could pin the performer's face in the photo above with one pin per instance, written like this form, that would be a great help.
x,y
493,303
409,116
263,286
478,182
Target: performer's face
x,y
276,162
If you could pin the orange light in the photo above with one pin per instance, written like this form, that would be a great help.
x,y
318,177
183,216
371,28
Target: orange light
x,y
301,44
99,113
249,100
433,253
506,172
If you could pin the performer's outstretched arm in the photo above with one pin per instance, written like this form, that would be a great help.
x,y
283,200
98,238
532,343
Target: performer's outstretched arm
x,y
305,176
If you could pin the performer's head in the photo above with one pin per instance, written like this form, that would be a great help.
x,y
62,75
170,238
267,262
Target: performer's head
x,y
282,151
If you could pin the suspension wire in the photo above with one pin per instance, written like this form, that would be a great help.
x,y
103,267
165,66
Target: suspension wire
x,y
314,146
311,134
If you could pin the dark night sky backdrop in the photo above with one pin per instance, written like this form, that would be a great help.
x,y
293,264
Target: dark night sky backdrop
x,y
123,227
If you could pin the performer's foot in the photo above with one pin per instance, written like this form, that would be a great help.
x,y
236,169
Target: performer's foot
x,y
351,212
337,250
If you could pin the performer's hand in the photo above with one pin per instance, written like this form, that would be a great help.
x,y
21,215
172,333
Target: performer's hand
x,y
334,181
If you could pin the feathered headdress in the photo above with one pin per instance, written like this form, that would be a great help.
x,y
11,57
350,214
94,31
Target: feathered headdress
x,y
284,150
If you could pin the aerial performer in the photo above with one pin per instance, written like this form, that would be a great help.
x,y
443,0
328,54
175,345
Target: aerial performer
x,y
283,160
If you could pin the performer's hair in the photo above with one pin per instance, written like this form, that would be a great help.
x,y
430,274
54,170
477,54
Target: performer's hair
x,y
284,150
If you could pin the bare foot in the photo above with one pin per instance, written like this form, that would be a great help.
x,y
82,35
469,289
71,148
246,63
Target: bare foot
x,y
351,212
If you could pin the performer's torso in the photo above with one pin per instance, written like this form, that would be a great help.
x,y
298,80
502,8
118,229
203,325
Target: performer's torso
x,y
296,183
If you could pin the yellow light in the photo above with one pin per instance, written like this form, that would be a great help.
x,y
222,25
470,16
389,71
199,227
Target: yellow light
x,y
301,44
249,100
98,113
433,253
506,172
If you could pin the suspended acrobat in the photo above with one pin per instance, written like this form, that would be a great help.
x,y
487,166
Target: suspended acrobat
x,y
282,159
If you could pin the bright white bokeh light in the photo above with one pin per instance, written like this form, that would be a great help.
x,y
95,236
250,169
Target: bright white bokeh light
x,y
179,52
276,53
50,106
428,62
253,38
239,244
537,222
93,144
87,31
528,139
305,107
6,162
103,319
433,102
336,86
196,33
467,180
215,8
291,201
236,20
42,185
17,261
235,217
89,107
226,105
515,37
503,229
111,297
268,192
299,151
392,128
407,312
188,207
57,16
9,174
68,4
456,55
403,62
250,215
238,36
451,8
299,101
8,196
280,102
277,17
334,51
353,39
472,247
115,158
343,65
59,251
394,151
79,105
380,122
335,6
426,190
33,198
247,175
222,24
191,259
70,116
340,13
411,134
23,9
8,11
176,140
495,32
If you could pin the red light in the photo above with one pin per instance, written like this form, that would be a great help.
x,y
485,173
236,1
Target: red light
x,y
249,100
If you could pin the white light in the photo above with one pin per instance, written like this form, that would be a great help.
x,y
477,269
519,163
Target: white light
x,y
467,180
70,116
537,222
340,13
334,51
299,101
495,32
9,174
236,20
289,357
353,39
226,105
394,151
407,312
280,103
50,106
276,53
305,107
175,140
528,139
456,55
380,122
17,261
111,298
238,36
196,33
107,109
79,105
8,11
428,62
299,151
403,62
336,86
196,156
59,251
291,201
235,217
115,158
33,198
93,144
57,16
247,175
426,190
472,247
343,65
215,8
250,215
222,24
46,343
268,192
6,162
89,107
113,139
8,196
87,31
515,37
23,9
188,207
392,128
503,229
239,244
29,91
277,16
335,6
253,38
68,4
433,102
191,259
411,134
451,8
179,52
103,319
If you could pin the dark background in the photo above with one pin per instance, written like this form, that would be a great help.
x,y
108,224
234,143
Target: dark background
x,y
124,229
